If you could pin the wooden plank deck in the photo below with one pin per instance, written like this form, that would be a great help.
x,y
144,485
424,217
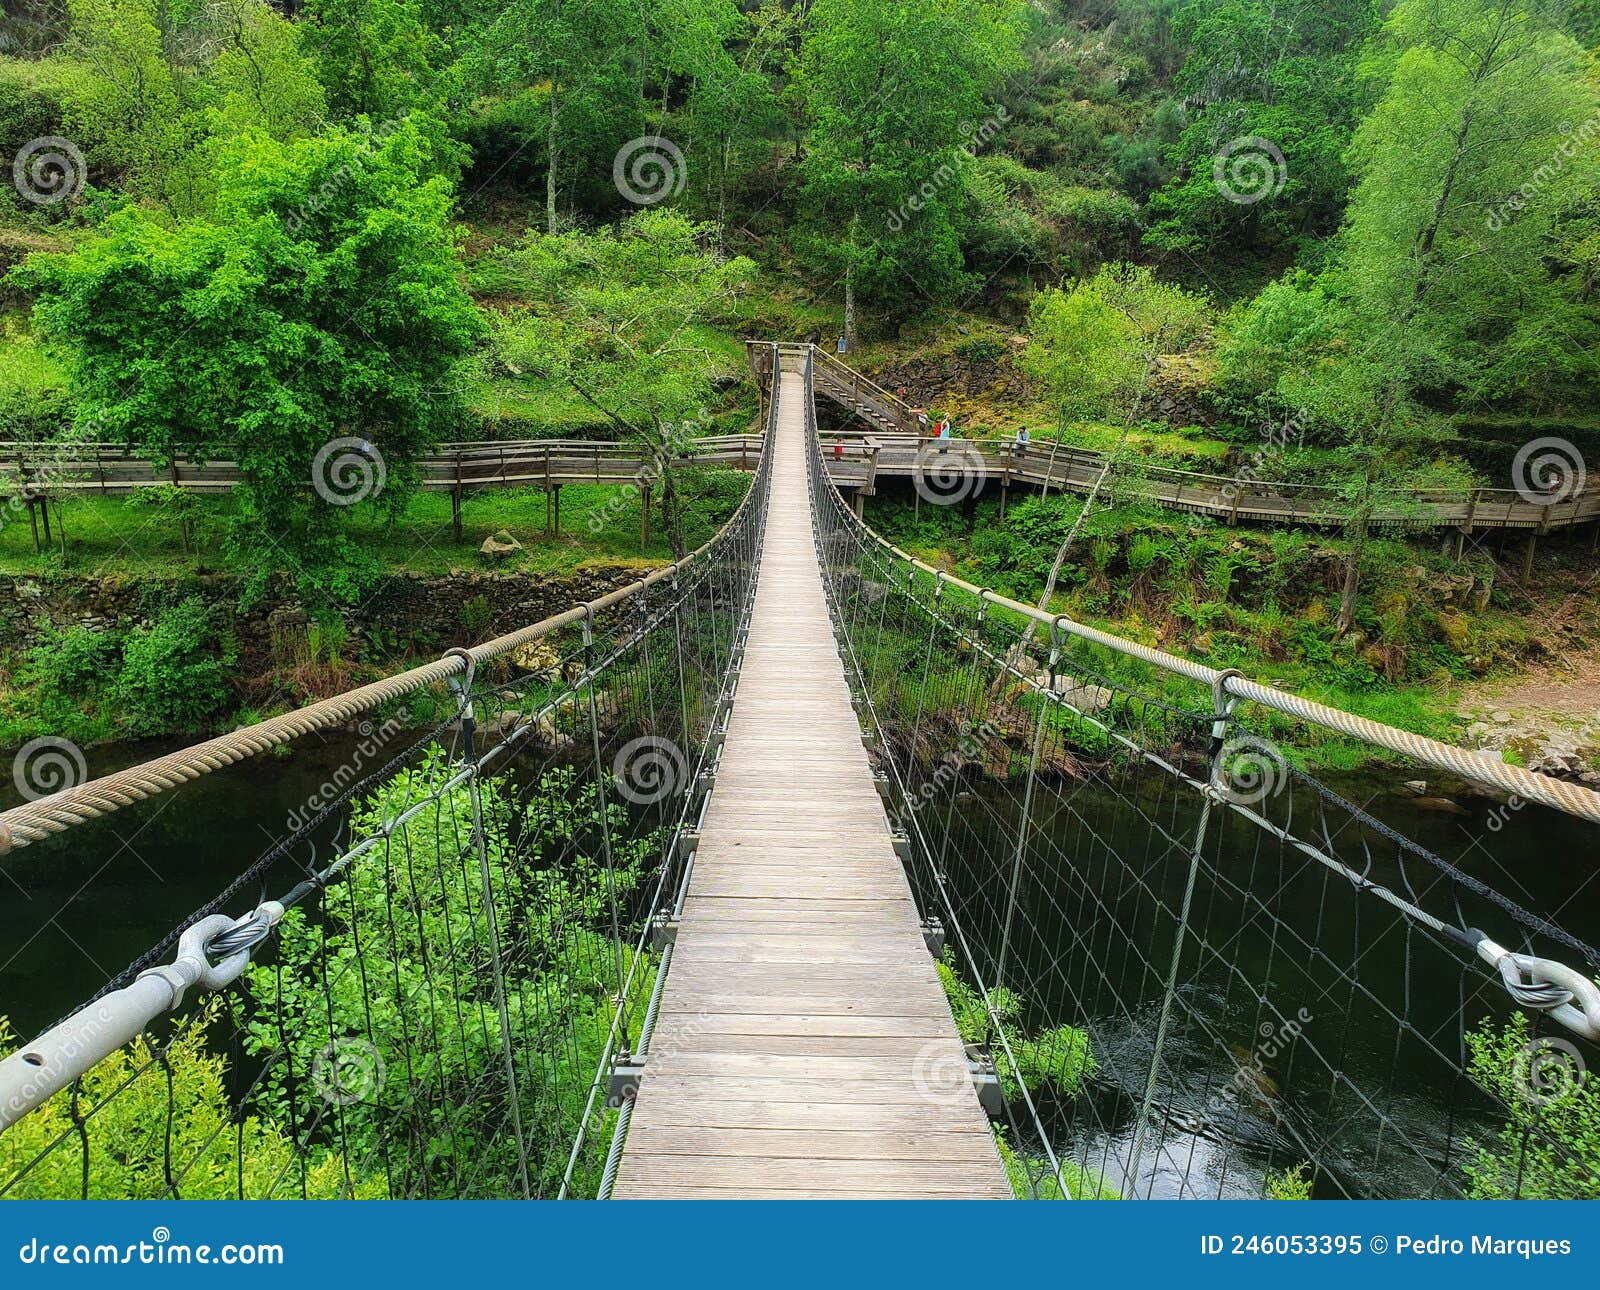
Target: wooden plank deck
x,y
804,1046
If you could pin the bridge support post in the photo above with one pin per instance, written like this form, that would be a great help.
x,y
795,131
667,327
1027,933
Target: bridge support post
x,y
455,512
1527,554
644,516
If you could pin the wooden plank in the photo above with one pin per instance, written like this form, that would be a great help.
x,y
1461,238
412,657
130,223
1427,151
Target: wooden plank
x,y
804,1044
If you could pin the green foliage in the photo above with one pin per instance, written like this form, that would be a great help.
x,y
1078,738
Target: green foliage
x,y
1093,346
887,89
1549,1146
172,676
1057,1057
1289,1184
1032,1179
128,1143
1285,74
559,976
320,304
622,320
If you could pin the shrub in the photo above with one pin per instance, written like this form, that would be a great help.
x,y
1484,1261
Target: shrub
x,y
173,677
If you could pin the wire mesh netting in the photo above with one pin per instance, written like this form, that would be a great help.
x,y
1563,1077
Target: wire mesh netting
x,y
1198,971
430,1006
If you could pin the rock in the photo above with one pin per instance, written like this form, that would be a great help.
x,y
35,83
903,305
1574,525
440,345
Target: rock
x,y
1441,804
1416,787
1501,717
535,656
1082,696
499,546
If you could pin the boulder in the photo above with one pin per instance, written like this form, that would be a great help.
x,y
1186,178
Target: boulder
x,y
499,546
535,656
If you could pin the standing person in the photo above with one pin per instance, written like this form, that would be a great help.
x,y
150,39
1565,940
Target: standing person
x,y
922,423
944,435
838,449
1021,446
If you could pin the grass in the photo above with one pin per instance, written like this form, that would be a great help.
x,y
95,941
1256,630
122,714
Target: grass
x,y
108,534
1262,601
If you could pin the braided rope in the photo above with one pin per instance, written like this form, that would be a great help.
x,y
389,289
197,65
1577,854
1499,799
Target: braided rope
x,y
37,820
1572,799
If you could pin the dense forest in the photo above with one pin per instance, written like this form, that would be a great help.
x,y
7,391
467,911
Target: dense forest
x,y
1346,242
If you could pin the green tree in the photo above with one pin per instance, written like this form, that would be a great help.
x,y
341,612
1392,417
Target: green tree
x,y
375,58
621,320
1283,73
1549,1145
1093,348
584,55
1450,292
892,94
321,306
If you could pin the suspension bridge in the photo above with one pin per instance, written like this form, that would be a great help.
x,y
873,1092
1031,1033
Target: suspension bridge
x,y
802,868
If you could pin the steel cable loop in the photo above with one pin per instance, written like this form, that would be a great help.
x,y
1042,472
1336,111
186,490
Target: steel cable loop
x,y
37,820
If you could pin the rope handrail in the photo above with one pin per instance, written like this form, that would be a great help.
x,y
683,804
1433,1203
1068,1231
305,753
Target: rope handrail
x,y
1573,799
36,820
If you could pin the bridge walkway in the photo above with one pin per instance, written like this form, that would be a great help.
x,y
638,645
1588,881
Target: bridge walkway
x,y
804,1047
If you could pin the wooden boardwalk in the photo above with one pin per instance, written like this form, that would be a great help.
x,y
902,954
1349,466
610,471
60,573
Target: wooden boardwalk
x,y
804,1046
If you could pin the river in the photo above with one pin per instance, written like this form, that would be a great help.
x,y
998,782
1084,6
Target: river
x,y
80,907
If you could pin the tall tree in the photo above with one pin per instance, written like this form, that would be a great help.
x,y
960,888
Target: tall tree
x,y
1467,167
1094,347
621,320
893,91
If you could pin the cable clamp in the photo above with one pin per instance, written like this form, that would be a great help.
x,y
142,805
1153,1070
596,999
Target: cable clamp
x,y
1567,995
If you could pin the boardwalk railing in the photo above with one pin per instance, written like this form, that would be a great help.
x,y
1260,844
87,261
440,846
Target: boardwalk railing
x,y
433,1001
1197,970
